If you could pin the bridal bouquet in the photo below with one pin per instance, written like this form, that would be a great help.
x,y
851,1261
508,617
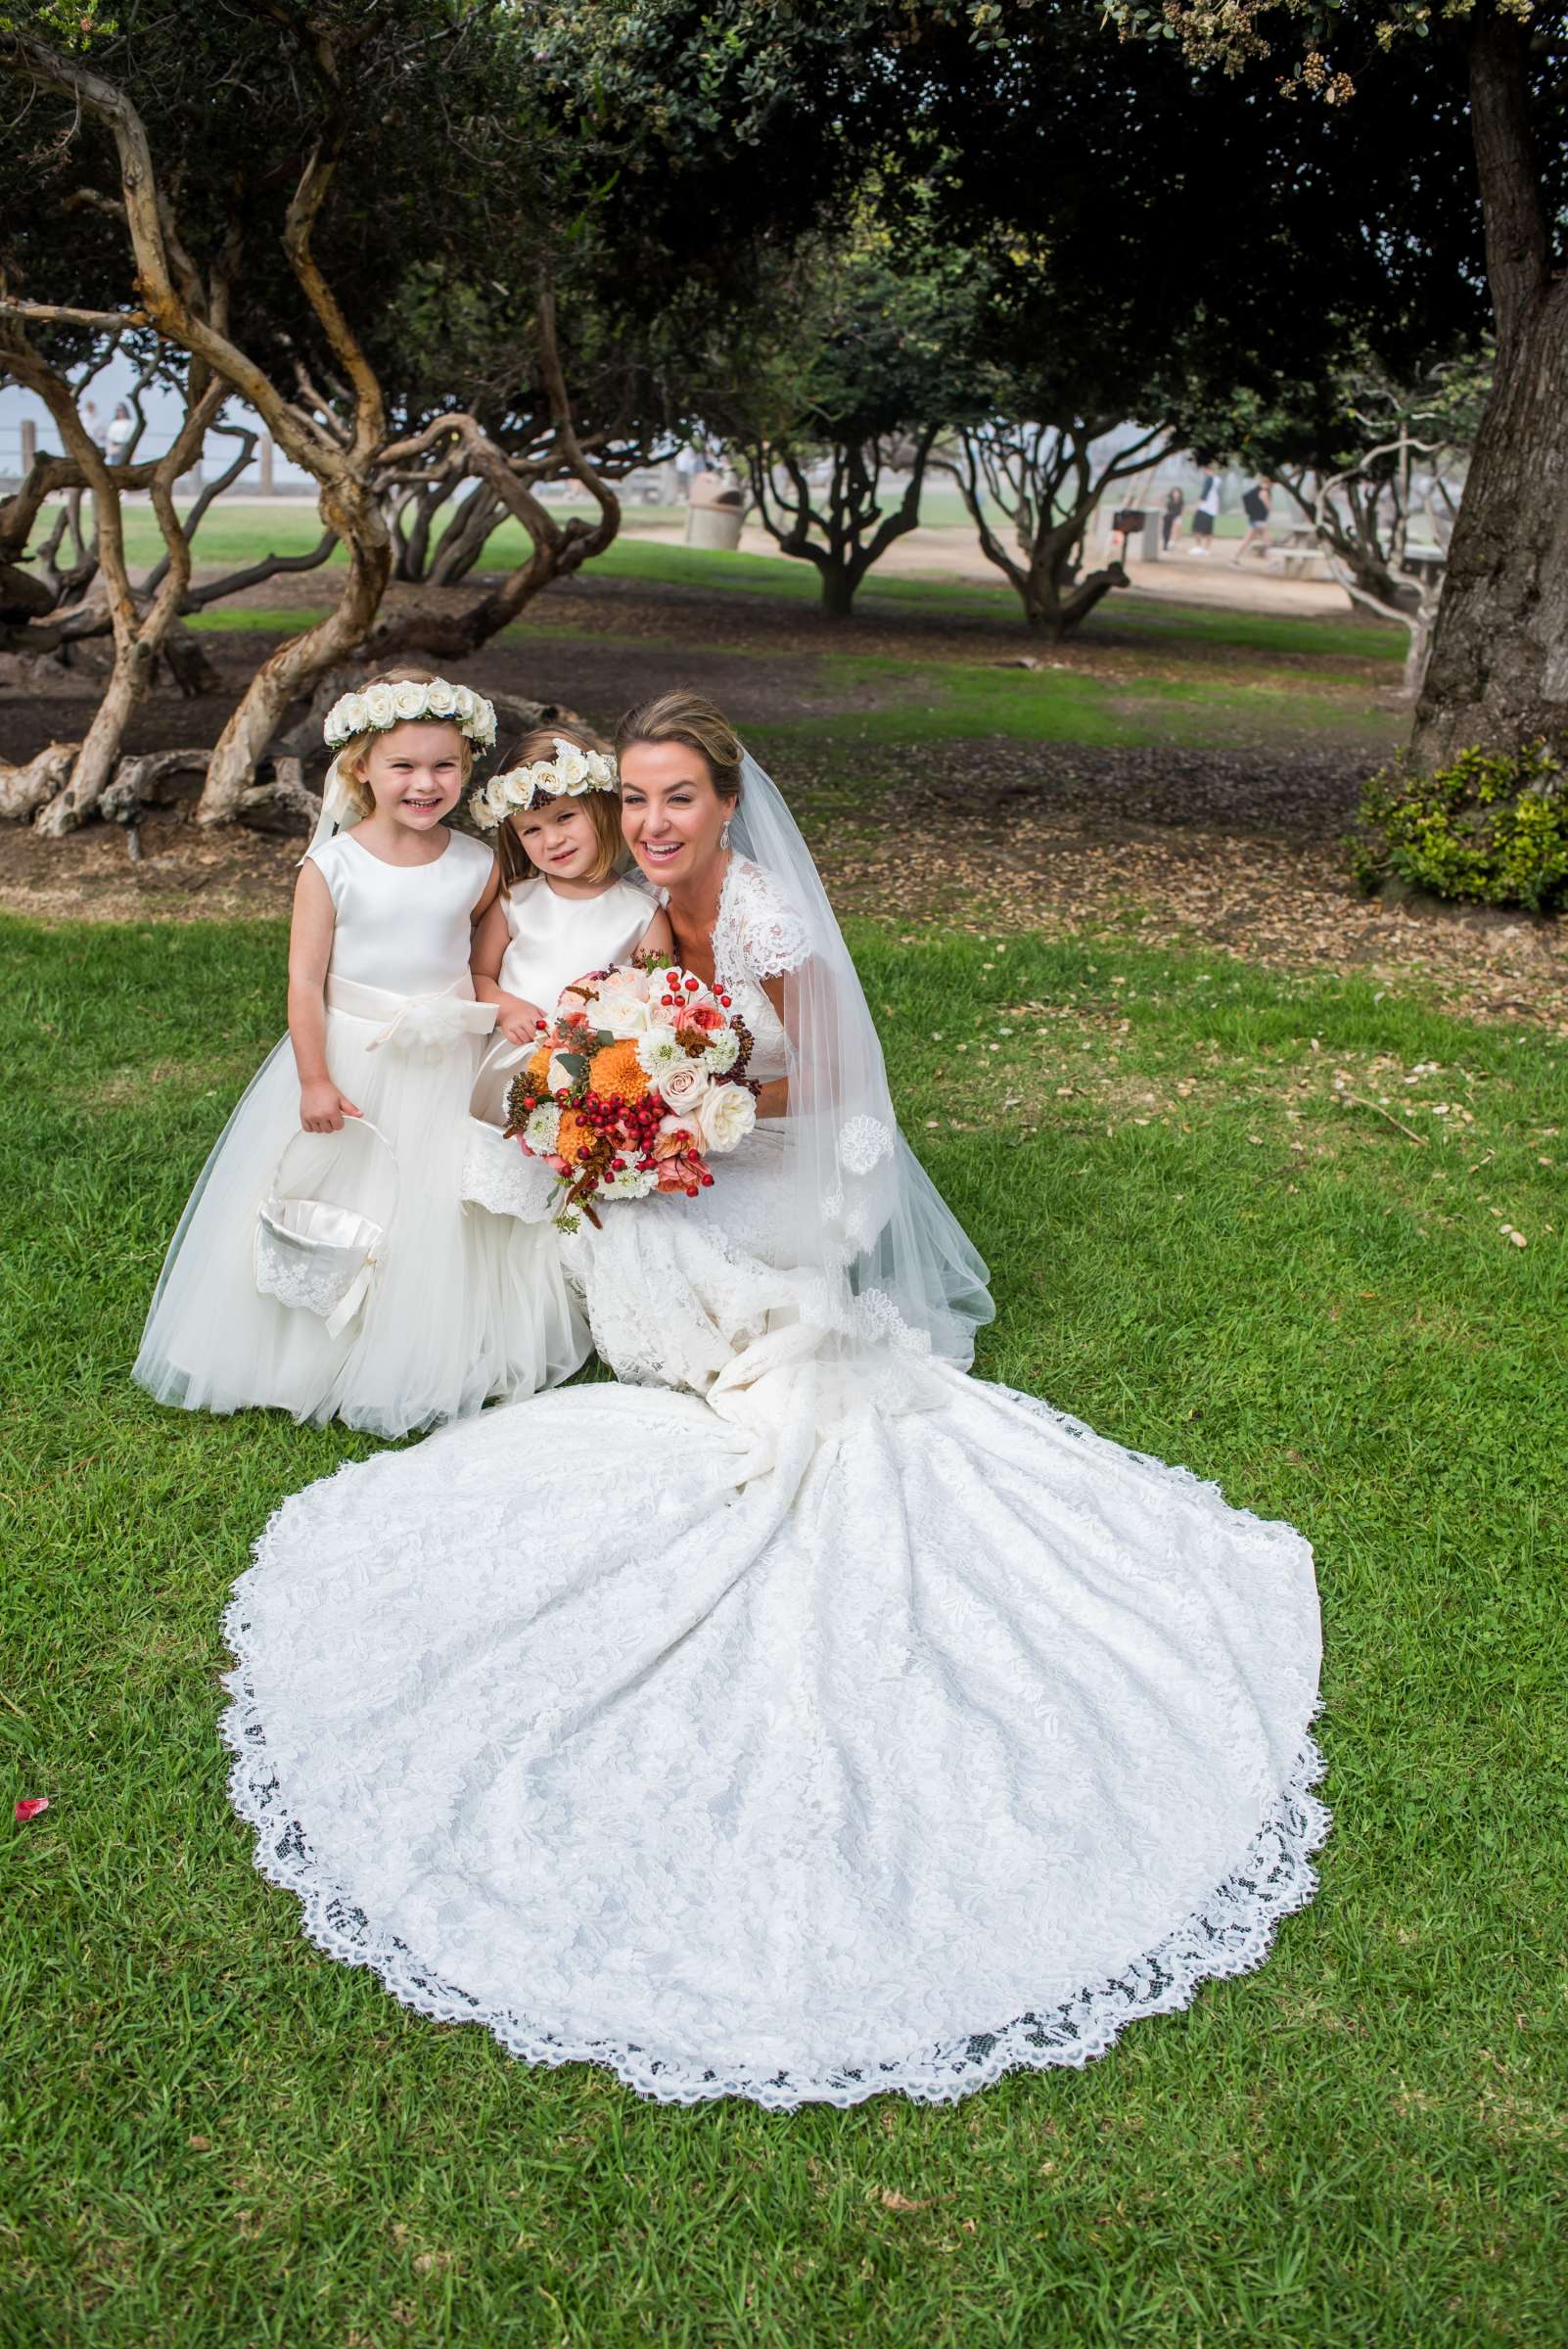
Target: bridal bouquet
x,y
640,1079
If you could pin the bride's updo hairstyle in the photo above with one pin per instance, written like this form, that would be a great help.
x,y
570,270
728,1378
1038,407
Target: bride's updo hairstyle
x,y
353,755
682,715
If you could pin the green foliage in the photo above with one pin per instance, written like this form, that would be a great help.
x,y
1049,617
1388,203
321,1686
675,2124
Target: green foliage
x,y
1492,827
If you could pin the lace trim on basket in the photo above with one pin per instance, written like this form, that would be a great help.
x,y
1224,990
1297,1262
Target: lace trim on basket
x,y
1231,1933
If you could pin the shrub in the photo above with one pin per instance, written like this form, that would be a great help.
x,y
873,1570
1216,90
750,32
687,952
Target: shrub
x,y
1490,827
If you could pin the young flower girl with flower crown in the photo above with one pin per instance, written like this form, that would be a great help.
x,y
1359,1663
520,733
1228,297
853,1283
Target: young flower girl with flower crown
x,y
563,908
354,1126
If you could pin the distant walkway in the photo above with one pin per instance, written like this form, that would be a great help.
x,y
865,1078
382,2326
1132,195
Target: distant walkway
x,y
952,553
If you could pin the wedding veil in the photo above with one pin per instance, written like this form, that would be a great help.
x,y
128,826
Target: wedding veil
x,y
865,1212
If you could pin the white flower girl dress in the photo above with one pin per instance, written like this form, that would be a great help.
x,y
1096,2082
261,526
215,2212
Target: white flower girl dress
x,y
435,1337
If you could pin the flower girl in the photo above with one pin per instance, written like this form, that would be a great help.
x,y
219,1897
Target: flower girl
x,y
563,909
353,1128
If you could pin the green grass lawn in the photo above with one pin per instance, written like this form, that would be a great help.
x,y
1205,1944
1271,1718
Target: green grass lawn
x,y
1205,1244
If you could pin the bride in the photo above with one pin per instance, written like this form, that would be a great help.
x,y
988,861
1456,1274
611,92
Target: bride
x,y
798,1718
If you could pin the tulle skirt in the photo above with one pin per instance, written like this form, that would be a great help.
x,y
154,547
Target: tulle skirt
x,y
454,1316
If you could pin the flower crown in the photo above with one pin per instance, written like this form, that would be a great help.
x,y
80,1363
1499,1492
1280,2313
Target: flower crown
x,y
382,706
566,776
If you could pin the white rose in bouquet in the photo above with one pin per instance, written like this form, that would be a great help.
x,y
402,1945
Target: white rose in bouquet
x,y
683,1086
558,1077
621,1016
379,708
725,1116
408,699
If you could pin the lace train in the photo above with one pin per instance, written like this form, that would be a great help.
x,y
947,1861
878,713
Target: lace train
x,y
1242,1732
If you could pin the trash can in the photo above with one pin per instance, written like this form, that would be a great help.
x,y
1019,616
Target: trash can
x,y
714,512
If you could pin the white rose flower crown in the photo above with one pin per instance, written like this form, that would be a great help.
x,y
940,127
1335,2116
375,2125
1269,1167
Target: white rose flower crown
x,y
566,776
383,706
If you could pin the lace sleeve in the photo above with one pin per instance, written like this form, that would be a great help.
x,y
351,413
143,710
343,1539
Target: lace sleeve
x,y
760,934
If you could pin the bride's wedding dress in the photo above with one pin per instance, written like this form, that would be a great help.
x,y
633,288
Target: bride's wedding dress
x,y
798,1718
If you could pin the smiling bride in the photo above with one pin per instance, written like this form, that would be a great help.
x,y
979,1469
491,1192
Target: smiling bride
x,y
798,1717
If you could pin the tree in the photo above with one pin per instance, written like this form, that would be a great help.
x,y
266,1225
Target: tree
x,y
1376,460
862,359
1497,678
145,118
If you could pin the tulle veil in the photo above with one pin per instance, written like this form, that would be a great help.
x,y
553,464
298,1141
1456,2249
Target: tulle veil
x,y
898,1269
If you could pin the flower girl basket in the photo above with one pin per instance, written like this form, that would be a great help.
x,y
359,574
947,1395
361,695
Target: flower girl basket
x,y
498,1174
317,1255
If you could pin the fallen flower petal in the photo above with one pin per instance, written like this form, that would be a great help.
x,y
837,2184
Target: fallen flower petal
x,y
29,1808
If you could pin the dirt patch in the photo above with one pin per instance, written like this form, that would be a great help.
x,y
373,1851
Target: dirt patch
x,y
1285,905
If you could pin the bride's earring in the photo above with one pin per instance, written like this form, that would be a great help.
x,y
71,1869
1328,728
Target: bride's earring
x,y
724,837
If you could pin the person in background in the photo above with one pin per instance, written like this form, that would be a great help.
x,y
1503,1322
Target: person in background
x,y
117,438
1255,505
1173,505
1202,520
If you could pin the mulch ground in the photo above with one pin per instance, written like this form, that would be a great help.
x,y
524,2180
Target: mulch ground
x,y
1238,850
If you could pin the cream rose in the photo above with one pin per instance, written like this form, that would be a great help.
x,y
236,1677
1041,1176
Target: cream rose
x,y
683,1087
408,699
621,1016
462,704
441,699
725,1113
558,1077
379,708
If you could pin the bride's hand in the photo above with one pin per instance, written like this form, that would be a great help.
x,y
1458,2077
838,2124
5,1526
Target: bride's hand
x,y
516,1020
323,1109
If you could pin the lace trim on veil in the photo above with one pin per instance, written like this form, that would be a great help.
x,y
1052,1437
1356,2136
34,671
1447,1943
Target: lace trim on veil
x,y
1231,1933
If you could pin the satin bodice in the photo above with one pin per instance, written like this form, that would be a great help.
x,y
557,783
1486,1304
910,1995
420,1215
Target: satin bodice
x,y
405,928
555,938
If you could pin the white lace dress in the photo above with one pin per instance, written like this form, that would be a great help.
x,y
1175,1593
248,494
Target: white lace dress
x,y
756,1737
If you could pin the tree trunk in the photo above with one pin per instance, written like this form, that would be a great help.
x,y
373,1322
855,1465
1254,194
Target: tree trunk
x,y
99,756
1499,672
466,536
837,589
1056,599
295,666
25,789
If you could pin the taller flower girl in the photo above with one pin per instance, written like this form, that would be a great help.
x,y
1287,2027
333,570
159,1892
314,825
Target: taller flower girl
x,y
363,1107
